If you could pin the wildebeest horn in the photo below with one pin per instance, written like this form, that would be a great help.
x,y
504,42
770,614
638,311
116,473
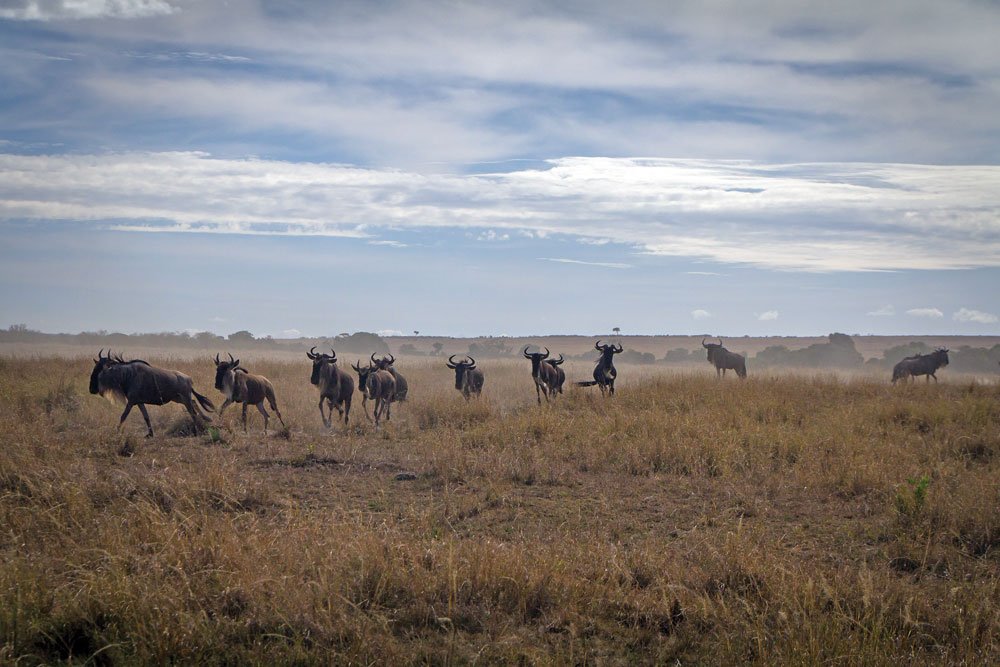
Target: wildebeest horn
x,y
373,358
471,360
216,358
333,353
312,353
392,359
597,345
451,362
703,343
525,352
546,353
620,348
357,366
230,357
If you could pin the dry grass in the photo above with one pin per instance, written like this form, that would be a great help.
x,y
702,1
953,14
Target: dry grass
x,y
798,520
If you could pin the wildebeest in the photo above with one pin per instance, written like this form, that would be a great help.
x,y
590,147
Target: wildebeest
x,y
920,364
137,383
379,385
724,360
605,371
543,374
560,378
336,386
239,386
387,364
468,379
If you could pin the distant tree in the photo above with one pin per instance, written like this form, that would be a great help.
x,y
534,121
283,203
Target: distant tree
x,y
416,333
437,349
636,357
411,349
679,355
490,348
241,337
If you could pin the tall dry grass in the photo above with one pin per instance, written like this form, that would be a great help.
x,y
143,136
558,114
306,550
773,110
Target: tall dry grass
x,y
785,519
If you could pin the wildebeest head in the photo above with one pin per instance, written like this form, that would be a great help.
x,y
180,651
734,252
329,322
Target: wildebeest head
x,y
460,368
100,364
712,348
222,368
608,351
384,363
536,358
940,356
320,361
556,362
363,373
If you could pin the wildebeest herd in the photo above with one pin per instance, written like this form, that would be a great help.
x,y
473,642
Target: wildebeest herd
x,y
136,383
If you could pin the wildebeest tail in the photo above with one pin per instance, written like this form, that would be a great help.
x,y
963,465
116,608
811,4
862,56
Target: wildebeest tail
x,y
588,383
206,404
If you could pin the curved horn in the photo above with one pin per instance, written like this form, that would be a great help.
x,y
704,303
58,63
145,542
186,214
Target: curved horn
x,y
525,352
703,343
216,358
471,360
597,345
559,360
312,353
451,362
231,360
619,348
392,359
373,358
357,366
100,355
333,353
546,353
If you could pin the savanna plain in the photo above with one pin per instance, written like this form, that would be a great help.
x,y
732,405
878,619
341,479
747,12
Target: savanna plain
x,y
791,518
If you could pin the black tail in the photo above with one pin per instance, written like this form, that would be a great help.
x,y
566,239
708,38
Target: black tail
x,y
588,383
204,402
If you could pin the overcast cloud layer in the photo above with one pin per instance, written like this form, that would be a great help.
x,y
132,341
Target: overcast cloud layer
x,y
782,136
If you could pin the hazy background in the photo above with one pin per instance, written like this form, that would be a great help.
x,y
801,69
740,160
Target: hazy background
x,y
460,169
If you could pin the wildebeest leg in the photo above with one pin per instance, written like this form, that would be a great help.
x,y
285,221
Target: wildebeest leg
x,y
128,409
145,415
225,404
189,404
611,387
364,405
323,416
347,410
260,408
274,406
245,417
388,409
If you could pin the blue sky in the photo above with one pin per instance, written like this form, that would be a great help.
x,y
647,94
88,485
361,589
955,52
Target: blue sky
x,y
470,168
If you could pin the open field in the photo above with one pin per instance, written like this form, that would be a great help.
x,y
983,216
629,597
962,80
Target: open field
x,y
796,519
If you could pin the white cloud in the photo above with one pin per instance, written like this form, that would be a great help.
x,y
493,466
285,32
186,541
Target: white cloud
x,y
816,217
291,333
390,243
57,10
884,311
925,312
977,316
700,314
768,316
388,332
491,235
607,265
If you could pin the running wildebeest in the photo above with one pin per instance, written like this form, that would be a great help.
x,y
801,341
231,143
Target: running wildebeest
x,y
239,386
336,387
920,364
543,374
378,385
387,364
137,383
605,371
468,379
724,360
560,379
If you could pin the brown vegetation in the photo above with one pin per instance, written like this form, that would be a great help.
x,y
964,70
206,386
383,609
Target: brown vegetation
x,y
784,519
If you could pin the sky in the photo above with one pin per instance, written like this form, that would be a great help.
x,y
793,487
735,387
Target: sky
x,y
470,168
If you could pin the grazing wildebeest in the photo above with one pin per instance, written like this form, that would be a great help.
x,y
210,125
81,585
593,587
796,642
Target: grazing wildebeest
x,y
724,360
560,379
543,374
336,387
468,379
387,364
378,385
137,383
605,371
920,364
239,386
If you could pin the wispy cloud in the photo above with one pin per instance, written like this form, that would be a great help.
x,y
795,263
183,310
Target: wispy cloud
x,y
700,314
607,265
57,10
884,311
816,217
390,243
977,316
768,316
933,313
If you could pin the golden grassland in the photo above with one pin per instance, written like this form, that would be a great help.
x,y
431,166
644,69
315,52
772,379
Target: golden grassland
x,y
794,519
